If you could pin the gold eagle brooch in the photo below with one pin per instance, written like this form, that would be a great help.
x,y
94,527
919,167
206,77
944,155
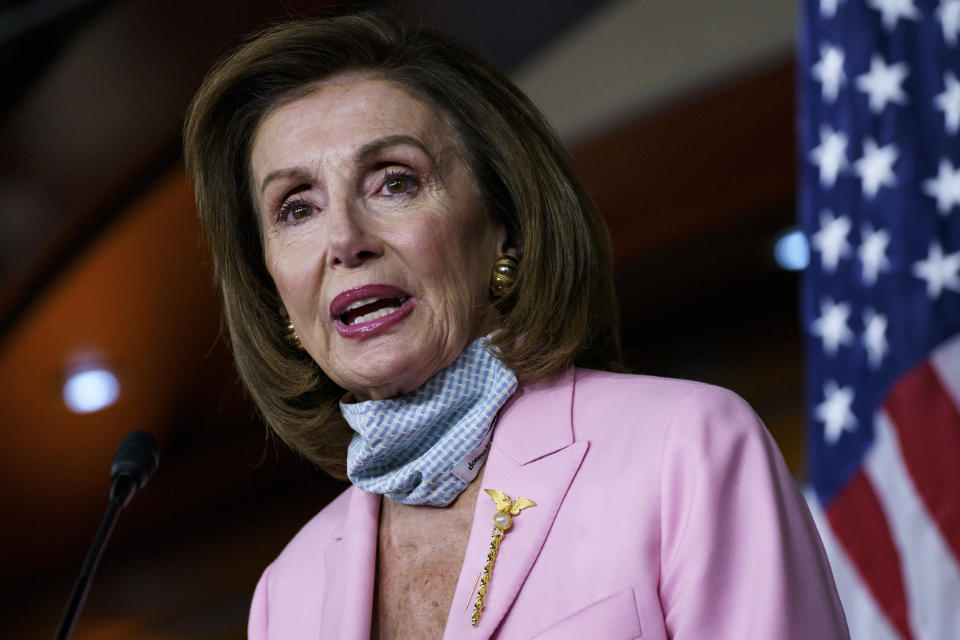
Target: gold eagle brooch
x,y
502,521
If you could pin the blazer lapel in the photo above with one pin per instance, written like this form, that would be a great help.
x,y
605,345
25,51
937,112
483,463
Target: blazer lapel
x,y
533,456
350,569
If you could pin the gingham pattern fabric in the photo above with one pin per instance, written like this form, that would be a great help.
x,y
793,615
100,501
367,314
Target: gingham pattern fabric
x,y
406,448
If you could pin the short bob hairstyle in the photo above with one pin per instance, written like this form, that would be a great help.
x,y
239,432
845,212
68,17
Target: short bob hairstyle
x,y
562,309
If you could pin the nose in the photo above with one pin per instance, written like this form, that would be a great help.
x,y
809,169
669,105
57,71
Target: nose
x,y
351,242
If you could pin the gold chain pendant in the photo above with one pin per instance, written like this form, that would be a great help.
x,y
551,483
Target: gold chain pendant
x,y
502,521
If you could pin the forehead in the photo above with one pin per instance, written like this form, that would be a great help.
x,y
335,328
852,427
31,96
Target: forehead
x,y
344,113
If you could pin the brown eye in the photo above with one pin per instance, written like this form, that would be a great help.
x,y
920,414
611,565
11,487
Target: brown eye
x,y
294,211
396,186
299,212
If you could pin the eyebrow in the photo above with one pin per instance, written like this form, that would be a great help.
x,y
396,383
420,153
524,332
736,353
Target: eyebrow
x,y
365,153
298,173
374,147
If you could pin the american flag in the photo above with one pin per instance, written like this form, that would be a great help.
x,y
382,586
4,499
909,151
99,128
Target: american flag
x,y
879,135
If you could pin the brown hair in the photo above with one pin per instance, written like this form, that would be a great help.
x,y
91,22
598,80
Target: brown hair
x,y
561,311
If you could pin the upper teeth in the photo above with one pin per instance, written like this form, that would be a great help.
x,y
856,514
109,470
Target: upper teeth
x,y
359,303
373,315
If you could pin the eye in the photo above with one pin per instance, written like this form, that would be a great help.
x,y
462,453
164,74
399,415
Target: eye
x,y
299,212
294,210
398,183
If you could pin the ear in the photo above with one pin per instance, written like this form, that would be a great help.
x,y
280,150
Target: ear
x,y
506,244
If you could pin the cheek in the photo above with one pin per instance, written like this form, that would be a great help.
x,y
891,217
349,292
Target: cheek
x,y
480,249
455,252
289,266
466,262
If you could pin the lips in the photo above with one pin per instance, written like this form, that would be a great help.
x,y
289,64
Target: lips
x,y
369,310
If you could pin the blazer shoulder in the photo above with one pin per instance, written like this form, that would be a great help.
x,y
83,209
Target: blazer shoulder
x,y
605,383
654,400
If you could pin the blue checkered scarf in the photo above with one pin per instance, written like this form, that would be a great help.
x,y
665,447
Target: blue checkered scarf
x,y
426,446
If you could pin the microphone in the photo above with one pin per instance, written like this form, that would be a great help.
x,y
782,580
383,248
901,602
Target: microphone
x,y
134,462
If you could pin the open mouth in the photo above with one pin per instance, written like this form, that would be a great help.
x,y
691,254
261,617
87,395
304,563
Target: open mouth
x,y
368,309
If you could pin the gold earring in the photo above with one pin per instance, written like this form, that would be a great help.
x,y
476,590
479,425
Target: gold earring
x,y
504,275
290,335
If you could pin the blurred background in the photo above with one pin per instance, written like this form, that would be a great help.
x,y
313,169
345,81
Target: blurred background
x,y
680,116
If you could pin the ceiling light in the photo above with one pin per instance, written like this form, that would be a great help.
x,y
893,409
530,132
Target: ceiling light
x,y
90,389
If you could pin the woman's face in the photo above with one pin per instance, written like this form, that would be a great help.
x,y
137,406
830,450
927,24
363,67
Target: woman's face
x,y
374,234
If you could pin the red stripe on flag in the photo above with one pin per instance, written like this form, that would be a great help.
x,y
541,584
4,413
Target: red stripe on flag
x,y
928,427
857,519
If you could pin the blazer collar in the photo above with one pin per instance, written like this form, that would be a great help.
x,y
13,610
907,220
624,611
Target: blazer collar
x,y
533,456
548,406
350,569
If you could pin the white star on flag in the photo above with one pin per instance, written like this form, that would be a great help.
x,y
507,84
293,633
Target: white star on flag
x,y
830,155
829,72
834,412
875,337
940,271
949,102
828,8
949,15
883,83
873,252
945,187
831,327
831,240
893,10
875,168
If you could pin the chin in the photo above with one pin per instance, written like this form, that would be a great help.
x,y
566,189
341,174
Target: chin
x,y
393,379
374,390
392,365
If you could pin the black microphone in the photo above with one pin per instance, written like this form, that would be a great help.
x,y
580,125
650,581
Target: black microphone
x,y
133,464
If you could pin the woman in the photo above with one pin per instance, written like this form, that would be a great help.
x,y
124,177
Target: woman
x,y
359,182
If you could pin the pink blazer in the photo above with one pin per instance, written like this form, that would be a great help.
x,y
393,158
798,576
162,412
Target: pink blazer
x,y
664,510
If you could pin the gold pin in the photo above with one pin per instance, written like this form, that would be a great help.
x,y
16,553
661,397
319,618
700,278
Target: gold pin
x,y
502,521
467,606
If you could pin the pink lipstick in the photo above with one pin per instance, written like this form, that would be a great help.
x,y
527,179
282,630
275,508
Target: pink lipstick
x,y
369,310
